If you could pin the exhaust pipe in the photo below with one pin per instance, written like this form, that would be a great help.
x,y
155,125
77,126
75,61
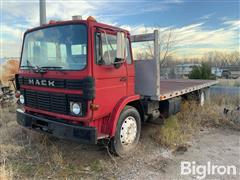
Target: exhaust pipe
x,y
42,12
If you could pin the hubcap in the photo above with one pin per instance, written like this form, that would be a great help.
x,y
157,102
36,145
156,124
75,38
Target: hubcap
x,y
128,131
202,98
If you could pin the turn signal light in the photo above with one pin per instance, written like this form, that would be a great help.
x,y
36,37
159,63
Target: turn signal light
x,y
17,95
94,107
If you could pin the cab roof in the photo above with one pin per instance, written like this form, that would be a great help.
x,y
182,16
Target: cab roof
x,y
87,22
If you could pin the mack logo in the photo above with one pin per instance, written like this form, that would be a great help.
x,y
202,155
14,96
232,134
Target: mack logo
x,y
41,82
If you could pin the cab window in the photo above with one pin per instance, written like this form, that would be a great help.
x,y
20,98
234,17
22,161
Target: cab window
x,y
105,48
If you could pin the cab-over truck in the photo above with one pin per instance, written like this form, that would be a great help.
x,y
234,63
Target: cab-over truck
x,y
77,80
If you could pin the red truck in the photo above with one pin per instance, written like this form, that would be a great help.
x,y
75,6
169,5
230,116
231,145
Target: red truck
x,y
77,80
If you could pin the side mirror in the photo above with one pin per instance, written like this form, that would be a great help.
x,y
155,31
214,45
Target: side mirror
x,y
120,46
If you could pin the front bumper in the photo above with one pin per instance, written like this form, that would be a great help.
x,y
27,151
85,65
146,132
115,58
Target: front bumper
x,y
62,130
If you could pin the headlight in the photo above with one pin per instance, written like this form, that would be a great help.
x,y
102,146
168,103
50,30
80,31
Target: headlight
x,y
76,108
21,99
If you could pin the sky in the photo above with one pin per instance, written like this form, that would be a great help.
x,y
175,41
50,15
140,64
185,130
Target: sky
x,y
198,26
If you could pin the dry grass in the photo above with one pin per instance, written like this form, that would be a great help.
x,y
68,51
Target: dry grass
x,y
229,82
226,101
25,154
169,135
179,129
6,173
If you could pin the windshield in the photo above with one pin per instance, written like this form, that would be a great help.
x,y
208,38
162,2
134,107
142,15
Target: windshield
x,y
63,47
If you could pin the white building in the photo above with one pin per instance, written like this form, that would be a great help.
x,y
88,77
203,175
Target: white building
x,y
182,70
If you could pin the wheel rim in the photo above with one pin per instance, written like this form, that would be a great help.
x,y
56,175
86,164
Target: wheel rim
x,y
128,131
202,99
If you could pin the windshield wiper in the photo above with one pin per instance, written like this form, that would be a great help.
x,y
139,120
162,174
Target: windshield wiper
x,y
35,69
51,67
27,66
57,68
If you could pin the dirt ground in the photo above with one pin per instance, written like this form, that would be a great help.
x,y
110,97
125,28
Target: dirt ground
x,y
30,155
219,146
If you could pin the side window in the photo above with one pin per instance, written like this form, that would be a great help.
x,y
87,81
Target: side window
x,y
106,48
63,52
78,54
109,48
51,51
30,50
128,52
98,50
76,49
79,49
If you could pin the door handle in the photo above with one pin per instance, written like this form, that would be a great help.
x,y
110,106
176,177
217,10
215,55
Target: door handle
x,y
123,79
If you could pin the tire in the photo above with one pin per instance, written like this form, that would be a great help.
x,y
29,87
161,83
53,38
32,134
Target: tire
x,y
129,123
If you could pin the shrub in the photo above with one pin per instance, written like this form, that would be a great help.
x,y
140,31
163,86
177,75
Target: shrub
x,y
169,135
202,72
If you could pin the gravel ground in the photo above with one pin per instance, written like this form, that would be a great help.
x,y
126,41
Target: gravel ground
x,y
150,161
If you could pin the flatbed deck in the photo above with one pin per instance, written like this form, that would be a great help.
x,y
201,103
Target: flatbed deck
x,y
173,88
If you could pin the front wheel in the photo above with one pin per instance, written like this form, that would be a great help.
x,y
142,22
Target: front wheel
x,y
127,133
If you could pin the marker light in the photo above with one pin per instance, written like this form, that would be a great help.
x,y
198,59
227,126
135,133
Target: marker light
x,y
90,18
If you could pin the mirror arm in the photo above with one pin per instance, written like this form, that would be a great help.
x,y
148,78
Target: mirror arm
x,y
119,61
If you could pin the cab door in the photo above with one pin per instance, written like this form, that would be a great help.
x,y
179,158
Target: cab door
x,y
130,68
110,81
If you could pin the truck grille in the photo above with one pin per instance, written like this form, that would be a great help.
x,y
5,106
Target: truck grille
x,y
52,102
87,85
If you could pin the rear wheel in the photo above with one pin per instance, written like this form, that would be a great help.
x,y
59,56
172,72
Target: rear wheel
x,y
202,98
127,133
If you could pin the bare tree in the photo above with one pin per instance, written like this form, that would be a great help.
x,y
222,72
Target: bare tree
x,y
222,59
167,45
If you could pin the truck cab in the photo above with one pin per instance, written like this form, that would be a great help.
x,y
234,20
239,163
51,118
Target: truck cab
x,y
71,81
77,80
